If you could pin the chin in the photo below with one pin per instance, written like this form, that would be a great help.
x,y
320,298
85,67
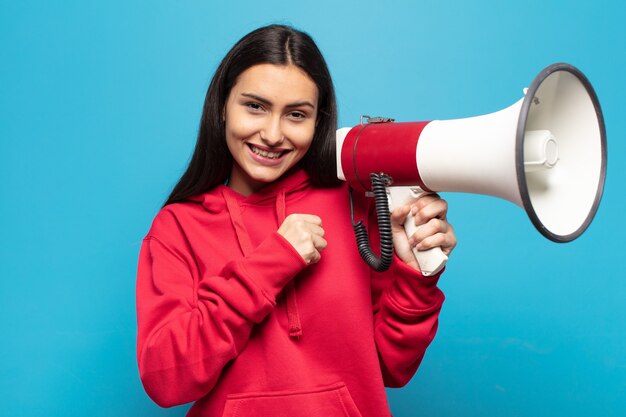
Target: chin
x,y
265,176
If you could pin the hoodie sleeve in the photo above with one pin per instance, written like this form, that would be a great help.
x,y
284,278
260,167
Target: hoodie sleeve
x,y
189,326
406,311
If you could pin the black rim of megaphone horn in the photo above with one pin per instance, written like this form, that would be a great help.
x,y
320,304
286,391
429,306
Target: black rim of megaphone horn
x,y
519,151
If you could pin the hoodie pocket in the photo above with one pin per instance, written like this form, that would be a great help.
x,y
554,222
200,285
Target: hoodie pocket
x,y
328,401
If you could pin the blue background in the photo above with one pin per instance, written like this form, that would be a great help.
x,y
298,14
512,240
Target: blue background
x,y
99,108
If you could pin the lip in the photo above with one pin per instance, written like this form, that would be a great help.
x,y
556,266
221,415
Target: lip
x,y
267,161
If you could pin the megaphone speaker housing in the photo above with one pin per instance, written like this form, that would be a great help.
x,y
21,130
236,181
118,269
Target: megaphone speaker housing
x,y
562,197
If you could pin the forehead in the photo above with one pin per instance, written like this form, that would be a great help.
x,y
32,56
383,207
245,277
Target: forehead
x,y
277,83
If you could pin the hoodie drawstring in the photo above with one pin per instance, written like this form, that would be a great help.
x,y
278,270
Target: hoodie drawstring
x,y
293,317
237,220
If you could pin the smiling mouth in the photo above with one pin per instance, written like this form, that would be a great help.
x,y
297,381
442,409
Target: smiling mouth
x,y
267,154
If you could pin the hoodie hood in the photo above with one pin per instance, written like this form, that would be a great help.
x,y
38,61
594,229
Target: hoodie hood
x,y
292,185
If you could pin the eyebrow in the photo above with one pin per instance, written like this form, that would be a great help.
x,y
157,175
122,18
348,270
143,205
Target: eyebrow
x,y
267,102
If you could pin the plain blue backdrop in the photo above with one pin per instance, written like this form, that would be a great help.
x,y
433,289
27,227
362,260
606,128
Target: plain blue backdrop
x,y
99,109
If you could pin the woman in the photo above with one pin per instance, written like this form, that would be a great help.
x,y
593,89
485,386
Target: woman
x,y
252,299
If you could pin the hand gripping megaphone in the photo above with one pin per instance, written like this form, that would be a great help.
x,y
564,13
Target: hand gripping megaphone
x,y
546,153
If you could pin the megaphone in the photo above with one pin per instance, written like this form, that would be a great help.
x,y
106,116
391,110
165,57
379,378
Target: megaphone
x,y
546,153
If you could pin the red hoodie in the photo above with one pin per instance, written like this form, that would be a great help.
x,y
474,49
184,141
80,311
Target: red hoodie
x,y
230,316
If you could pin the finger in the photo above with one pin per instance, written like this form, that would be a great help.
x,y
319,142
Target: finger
x,y
447,249
432,241
451,241
398,216
433,227
426,200
319,242
315,229
445,241
309,218
315,258
435,209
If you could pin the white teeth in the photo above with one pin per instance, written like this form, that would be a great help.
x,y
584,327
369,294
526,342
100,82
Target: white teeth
x,y
265,154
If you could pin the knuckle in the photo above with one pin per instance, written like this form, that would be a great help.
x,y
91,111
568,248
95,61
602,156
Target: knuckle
x,y
422,202
435,224
418,218
436,240
315,257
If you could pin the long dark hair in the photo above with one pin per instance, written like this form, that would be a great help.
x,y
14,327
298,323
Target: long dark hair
x,y
211,162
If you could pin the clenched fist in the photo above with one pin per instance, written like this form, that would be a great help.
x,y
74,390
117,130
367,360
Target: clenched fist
x,y
305,233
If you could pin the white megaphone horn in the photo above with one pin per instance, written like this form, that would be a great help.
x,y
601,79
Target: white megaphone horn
x,y
545,153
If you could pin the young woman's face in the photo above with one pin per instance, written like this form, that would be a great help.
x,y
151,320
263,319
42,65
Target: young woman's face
x,y
270,118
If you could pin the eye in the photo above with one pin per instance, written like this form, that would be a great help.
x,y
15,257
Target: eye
x,y
297,115
254,107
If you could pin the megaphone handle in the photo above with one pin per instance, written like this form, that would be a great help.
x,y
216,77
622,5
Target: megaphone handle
x,y
430,261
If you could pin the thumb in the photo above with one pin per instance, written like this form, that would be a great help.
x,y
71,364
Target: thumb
x,y
398,216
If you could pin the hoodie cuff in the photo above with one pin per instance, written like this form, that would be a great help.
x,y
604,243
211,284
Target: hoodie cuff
x,y
272,264
413,292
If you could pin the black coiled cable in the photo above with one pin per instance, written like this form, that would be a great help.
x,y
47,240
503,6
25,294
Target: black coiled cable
x,y
379,182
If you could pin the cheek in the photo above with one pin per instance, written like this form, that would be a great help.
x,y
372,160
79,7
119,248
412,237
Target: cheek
x,y
239,128
301,136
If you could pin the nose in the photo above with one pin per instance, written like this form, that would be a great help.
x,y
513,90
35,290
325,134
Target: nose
x,y
272,134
